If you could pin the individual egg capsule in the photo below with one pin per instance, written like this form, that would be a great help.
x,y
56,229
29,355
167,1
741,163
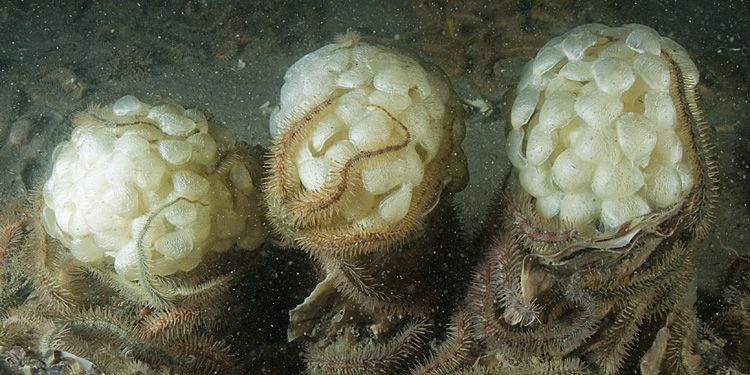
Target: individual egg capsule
x,y
513,145
123,200
579,209
644,40
131,144
149,171
163,266
612,76
668,149
201,123
360,75
556,111
394,207
524,106
170,119
577,71
318,86
86,250
129,105
181,213
328,126
597,146
616,181
340,152
560,84
175,152
378,176
204,148
92,185
426,132
663,187
392,79
547,58
77,226
659,108
112,240
120,169
576,43
536,181
540,144
313,173
241,179
351,106
174,124
618,50
686,176
189,184
59,218
394,104
598,109
92,145
570,173
175,244
372,131
382,175
549,206
636,136
653,71
616,212
100,220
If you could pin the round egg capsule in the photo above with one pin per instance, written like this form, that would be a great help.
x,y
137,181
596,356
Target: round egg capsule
x,y
570,173
616,181
395,206
636,136
577,42
659,108
394,104
189,184
539,145
644,40
597,146
579,209
175,152
549,206
653,71
175,244
313,173
616,212
86,250
181,213
129,105
612,75
392,79
663,187
524,106
598,109
536,181
556,111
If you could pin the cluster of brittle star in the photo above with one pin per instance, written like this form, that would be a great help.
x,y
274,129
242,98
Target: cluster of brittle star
x,y
545,297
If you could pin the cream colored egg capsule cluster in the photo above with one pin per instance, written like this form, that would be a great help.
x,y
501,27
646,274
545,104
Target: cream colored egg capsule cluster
x,y
139,175
359,132
595,135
